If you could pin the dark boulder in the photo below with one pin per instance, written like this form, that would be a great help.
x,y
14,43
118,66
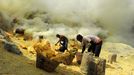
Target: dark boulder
x,y
11,47
19,31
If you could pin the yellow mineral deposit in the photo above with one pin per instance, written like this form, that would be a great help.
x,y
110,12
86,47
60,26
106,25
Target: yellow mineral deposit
x,y
44,47
113,20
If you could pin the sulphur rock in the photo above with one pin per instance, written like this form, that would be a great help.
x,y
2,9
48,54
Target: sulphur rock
x,y
66,57
44,48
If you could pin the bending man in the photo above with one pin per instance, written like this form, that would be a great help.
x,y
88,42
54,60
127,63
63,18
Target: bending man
x,y
92,42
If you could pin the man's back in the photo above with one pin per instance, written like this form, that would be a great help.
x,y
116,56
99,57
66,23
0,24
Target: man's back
x,y
62,38
93,38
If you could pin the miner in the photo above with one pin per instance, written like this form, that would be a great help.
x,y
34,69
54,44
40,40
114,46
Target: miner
x,y
63,41
92,42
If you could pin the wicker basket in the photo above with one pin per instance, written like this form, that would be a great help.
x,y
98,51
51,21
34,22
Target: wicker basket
x,y
45,63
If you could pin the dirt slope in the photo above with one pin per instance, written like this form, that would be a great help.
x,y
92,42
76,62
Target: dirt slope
x,y
11,64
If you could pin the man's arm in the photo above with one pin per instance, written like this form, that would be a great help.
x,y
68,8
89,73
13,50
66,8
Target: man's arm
x,y
57,42
61,37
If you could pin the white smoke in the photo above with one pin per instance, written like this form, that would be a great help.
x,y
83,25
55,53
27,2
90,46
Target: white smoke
x,y
70,17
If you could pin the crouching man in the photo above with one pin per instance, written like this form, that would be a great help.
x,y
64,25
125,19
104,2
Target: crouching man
x,y
63,41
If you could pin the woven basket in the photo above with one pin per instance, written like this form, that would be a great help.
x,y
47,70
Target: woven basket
x,y
45,63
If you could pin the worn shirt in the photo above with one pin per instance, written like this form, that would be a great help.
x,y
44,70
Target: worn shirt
x,y
87,39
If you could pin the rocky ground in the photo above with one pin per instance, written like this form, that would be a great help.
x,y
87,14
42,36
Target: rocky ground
x,y
11,64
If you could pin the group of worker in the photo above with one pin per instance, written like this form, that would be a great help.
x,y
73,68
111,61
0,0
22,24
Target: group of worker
x,y
91,42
